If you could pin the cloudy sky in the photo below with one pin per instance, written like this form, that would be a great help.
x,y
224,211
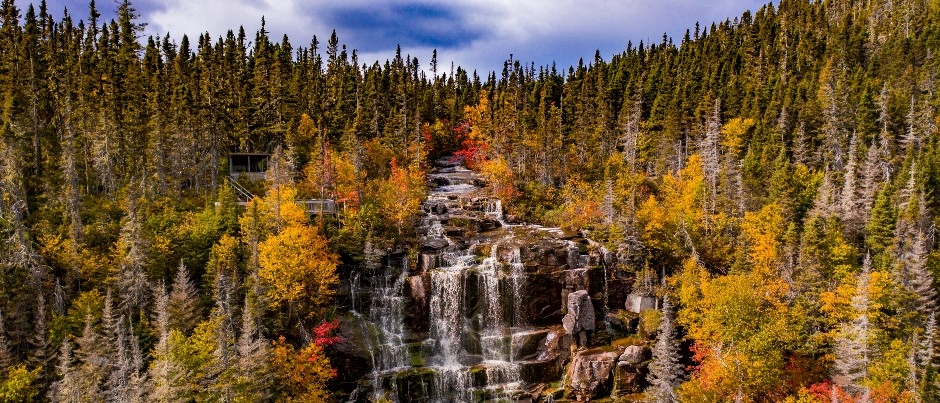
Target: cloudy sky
x,y
475,34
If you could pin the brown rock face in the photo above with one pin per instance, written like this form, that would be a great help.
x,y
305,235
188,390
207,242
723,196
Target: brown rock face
x,y
589,374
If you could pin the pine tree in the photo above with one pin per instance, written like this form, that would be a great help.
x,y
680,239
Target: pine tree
x,y
665,369
852,353
924,368
132,280
183,303
253,378
630,119
711,159
873,174
68,388
167,374
848,205
94,364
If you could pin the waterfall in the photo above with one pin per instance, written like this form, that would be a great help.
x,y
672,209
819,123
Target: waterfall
x,y
446,314
382,327
517,273
353,291
474,320
387,314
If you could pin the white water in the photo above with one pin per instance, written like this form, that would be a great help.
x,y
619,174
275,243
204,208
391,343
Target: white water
x,y
471,347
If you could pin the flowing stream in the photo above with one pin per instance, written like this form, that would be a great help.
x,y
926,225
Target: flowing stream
x,y
474,320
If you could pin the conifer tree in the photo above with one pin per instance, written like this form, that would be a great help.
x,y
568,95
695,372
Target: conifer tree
x,y
852,353
183,303
665,369
253,378
94,364
67,389
167,374
132,279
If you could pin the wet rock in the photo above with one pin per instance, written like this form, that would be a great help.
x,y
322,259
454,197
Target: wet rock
x,y
429,261
535,371
633,355
433,245
488,224
439,209
589,374
417,305
350,355
580,314
526,345
414,385
452,231
628,379
541,289
555,346
639,303
577,279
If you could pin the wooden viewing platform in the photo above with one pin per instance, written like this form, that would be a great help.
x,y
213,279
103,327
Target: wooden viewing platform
x,y
252,166
311,206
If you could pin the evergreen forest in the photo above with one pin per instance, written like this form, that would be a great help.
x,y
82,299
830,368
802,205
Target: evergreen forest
x,y
773,179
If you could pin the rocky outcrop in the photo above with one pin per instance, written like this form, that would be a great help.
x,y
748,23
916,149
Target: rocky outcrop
x,y
589,374
630,374
483,310
580,317
639,303
417,306
350,355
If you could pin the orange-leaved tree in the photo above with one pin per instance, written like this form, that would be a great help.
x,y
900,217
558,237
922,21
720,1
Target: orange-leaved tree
x,y
302,374
401,195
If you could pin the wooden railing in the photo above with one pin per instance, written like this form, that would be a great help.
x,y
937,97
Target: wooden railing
x,y
311,206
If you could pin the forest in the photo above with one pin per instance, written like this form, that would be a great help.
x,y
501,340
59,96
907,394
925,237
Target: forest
x,y
775,176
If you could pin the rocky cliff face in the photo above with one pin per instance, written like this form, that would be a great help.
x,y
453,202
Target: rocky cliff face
x,y
486,310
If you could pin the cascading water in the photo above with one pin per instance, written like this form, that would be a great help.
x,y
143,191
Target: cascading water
x,y
474,327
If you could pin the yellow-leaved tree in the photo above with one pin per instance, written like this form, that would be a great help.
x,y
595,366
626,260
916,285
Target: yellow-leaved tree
x,y
298,268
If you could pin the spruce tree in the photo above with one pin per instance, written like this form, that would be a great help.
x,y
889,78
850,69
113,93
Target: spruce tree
x,y
67,388
665,369
852,352
183,303
167,374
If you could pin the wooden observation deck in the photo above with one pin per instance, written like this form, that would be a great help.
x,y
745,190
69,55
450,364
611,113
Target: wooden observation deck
x,y
252,167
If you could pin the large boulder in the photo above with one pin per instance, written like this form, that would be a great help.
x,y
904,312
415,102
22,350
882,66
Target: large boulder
x,y
580,314
634,355
639,303
589,374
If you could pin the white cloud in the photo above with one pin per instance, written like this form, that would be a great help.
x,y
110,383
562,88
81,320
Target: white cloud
x,y
539,31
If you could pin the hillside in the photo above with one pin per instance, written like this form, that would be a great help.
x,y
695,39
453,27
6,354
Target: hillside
x,y
774,176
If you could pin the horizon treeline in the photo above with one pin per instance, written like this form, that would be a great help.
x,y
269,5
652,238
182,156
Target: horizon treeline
x,y
775,175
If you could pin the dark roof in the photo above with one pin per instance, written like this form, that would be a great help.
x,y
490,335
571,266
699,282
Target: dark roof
x,y
250,154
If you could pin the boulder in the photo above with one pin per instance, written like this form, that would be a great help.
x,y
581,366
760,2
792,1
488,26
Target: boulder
x,y
580,314
633,355
433,245
639,303
589,374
